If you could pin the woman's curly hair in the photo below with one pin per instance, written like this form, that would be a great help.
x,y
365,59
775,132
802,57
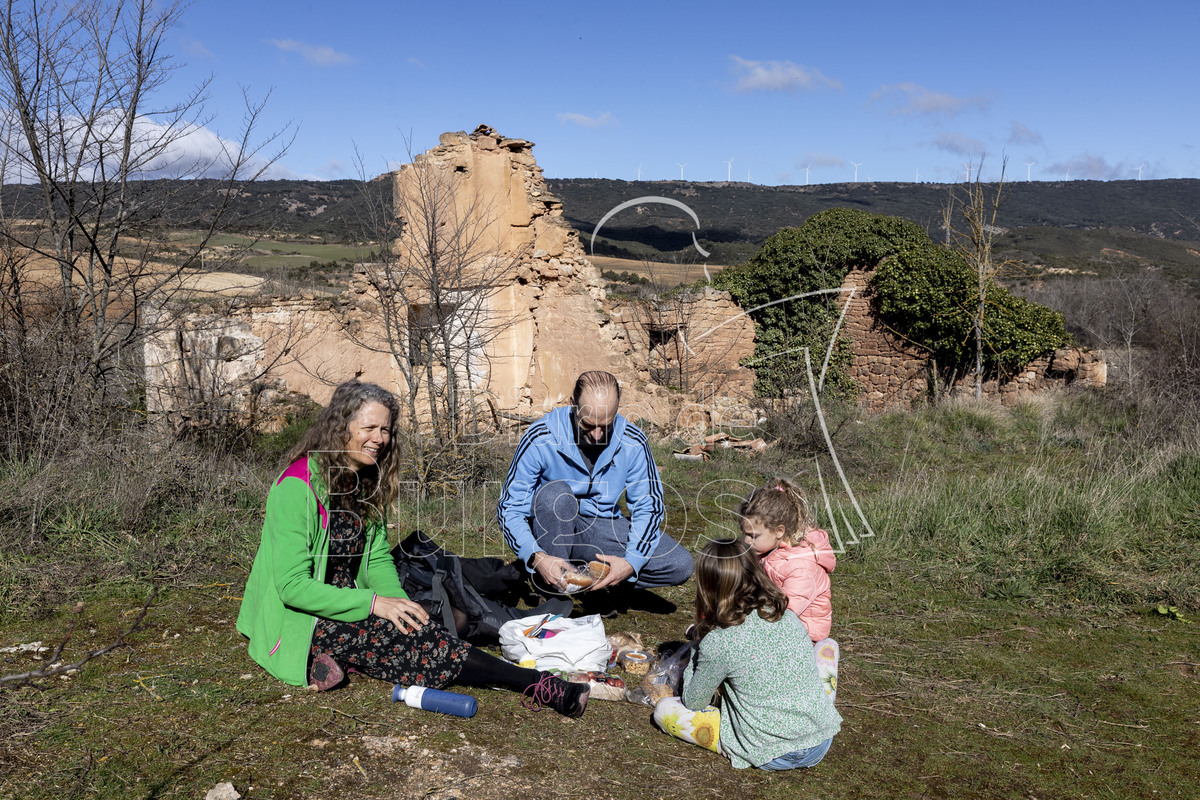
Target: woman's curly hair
x,y
731,583
369,490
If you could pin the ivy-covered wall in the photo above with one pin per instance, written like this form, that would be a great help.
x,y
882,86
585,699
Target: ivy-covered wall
x,y
923,292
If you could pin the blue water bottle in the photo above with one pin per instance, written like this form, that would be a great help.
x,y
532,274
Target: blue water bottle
x,y
460,705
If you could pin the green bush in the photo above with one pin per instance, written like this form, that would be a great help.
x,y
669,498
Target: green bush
x,y
811,258
923,292
928,294
633,279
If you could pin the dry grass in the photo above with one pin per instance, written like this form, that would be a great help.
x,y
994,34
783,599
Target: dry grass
x,y
948,689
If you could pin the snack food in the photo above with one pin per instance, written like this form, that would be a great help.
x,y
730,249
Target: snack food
x,y
625,641
635,662
603,685
578,580
658,691
584,576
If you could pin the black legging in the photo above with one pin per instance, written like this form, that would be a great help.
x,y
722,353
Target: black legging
x,y
481,669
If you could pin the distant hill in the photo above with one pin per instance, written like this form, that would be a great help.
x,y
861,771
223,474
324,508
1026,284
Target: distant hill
x,y
745,214
326,210
1053,227
1071,225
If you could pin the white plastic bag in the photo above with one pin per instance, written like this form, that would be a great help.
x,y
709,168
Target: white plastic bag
x,y
561,644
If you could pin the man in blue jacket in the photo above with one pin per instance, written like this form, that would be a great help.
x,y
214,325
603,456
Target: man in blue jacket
x,y
560,499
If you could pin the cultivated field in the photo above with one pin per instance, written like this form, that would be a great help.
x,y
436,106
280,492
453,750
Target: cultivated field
x,y
661,273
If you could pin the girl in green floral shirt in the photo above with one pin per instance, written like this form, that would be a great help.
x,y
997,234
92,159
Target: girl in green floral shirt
x,y
774,713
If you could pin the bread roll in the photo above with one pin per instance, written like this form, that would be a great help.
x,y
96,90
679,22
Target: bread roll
x,y
582,579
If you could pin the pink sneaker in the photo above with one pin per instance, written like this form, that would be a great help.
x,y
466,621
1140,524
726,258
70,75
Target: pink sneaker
x,y
568,699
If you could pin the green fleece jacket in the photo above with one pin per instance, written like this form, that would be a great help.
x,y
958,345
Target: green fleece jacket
x,y
286,590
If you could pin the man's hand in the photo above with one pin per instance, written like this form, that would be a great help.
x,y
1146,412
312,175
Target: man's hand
x,y
551,569
401,612
618,570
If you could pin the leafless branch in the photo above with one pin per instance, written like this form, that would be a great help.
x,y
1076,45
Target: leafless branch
x,y
55,668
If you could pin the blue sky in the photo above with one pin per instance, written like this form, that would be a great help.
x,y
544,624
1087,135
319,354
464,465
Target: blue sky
x,y
1092,90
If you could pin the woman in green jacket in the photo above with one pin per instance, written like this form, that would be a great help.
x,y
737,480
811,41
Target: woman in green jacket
x,y
323,595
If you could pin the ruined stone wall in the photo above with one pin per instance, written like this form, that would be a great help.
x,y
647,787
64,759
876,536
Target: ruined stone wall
x,y
547,313
252,361
896,374
694,340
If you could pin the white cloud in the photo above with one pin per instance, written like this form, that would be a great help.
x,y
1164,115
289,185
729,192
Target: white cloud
x,y
1097,168
911,98
779,76
822,160
317,54
416,62
960,144
333,169
585,121
179,151
1019,134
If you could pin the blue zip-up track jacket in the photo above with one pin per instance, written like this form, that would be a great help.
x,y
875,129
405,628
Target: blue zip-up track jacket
x,y
548,452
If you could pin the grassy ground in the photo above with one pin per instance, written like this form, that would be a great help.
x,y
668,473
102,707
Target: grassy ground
x,y
967,669
294,265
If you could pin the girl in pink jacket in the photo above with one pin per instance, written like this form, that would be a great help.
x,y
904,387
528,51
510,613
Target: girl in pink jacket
x,y
777,523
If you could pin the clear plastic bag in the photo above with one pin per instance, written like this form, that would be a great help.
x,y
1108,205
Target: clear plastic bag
x,y
581,576
665,678
603,685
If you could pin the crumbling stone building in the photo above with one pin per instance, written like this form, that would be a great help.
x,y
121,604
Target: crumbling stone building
x,y
548,315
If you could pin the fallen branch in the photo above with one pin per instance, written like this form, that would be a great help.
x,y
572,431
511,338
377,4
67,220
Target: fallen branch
x,y
22,678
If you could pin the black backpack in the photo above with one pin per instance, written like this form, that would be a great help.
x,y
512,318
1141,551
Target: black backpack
x,y
482,588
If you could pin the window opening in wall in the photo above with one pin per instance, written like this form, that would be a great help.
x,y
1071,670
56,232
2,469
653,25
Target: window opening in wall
x,y
425,330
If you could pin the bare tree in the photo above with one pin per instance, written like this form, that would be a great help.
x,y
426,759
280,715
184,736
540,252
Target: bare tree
x,y
441,260
83,119
664,313
981,204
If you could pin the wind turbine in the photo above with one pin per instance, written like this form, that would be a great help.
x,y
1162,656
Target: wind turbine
x,y
747,176
729,170
681,166
967,172
806,167
918,178
1028,167
1140,170
639,172
1068,174
856,166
